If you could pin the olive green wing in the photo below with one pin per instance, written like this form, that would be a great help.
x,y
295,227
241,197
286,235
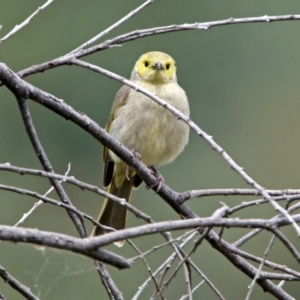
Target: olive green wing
x,y
120,100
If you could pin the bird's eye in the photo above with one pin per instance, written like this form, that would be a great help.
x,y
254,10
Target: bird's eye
x,y
146,63
167,66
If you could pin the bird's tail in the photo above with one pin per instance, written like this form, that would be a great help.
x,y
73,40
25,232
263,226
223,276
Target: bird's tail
x,y
113,214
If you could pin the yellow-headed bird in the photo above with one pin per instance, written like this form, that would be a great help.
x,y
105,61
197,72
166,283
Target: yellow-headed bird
x,y
143,126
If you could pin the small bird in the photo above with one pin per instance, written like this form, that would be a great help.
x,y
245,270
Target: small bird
x,y
153,133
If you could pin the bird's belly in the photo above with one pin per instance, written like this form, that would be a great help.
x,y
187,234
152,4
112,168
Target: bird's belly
x,y
157,135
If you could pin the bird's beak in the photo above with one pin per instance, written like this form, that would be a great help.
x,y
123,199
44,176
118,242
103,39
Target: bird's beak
x,y
158,66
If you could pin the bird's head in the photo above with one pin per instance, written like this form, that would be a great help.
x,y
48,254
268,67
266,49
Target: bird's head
x,y
155,67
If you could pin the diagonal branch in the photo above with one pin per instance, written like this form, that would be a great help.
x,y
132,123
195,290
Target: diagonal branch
x,y
114,26
41,154
61,241
15,284
24,23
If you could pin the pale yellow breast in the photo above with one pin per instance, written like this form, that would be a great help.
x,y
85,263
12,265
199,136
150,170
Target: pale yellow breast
x,y
147,128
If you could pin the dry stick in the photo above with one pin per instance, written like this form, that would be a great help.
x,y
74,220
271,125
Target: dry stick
x,y
147,266
72,180
218,192
194,289
251,203
217,214
258,273
14,83
270,225
166,265
234,192
40,202
61,241
247,268
114,26
287,243
199,131
77,220
24,23
208,282
110,286
16,285
251,234
267,263
44,199
154,248
64,60
203,235
186,258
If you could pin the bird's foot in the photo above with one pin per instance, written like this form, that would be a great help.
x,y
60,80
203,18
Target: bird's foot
x,y
159,178
128,168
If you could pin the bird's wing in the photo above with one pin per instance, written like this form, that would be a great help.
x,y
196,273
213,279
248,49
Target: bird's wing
x,y
120,100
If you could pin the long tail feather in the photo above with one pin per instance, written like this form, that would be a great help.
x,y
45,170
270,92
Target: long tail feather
x,y
113,214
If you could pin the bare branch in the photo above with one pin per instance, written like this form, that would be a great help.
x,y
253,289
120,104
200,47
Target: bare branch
x,y
24,23
147,266
40,202
16,285
234,192
267,263
61,241
114,26
130,36
259,270
41,154
44,199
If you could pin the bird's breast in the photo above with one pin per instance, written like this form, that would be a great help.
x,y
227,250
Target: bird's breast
x,y
149,129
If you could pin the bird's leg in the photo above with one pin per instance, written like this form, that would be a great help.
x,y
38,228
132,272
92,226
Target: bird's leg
x,y
159,178
128,168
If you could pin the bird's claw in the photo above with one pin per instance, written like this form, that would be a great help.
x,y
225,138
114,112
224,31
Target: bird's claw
x,y
128,168
159,178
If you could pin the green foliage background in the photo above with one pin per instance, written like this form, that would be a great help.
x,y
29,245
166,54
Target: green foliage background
x,y
243,85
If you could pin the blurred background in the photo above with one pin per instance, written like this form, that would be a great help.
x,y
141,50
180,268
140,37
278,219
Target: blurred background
x,y
243,86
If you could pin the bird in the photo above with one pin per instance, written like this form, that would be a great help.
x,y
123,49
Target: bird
x,y
153,133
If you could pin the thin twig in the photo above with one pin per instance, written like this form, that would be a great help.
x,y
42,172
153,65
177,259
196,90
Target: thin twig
x,y
24,23
72,180
114,26
16,285
267,263
193,290
61,241
130,36
164,266
234,192
44,199
147,266
41,154
258,273
40,202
